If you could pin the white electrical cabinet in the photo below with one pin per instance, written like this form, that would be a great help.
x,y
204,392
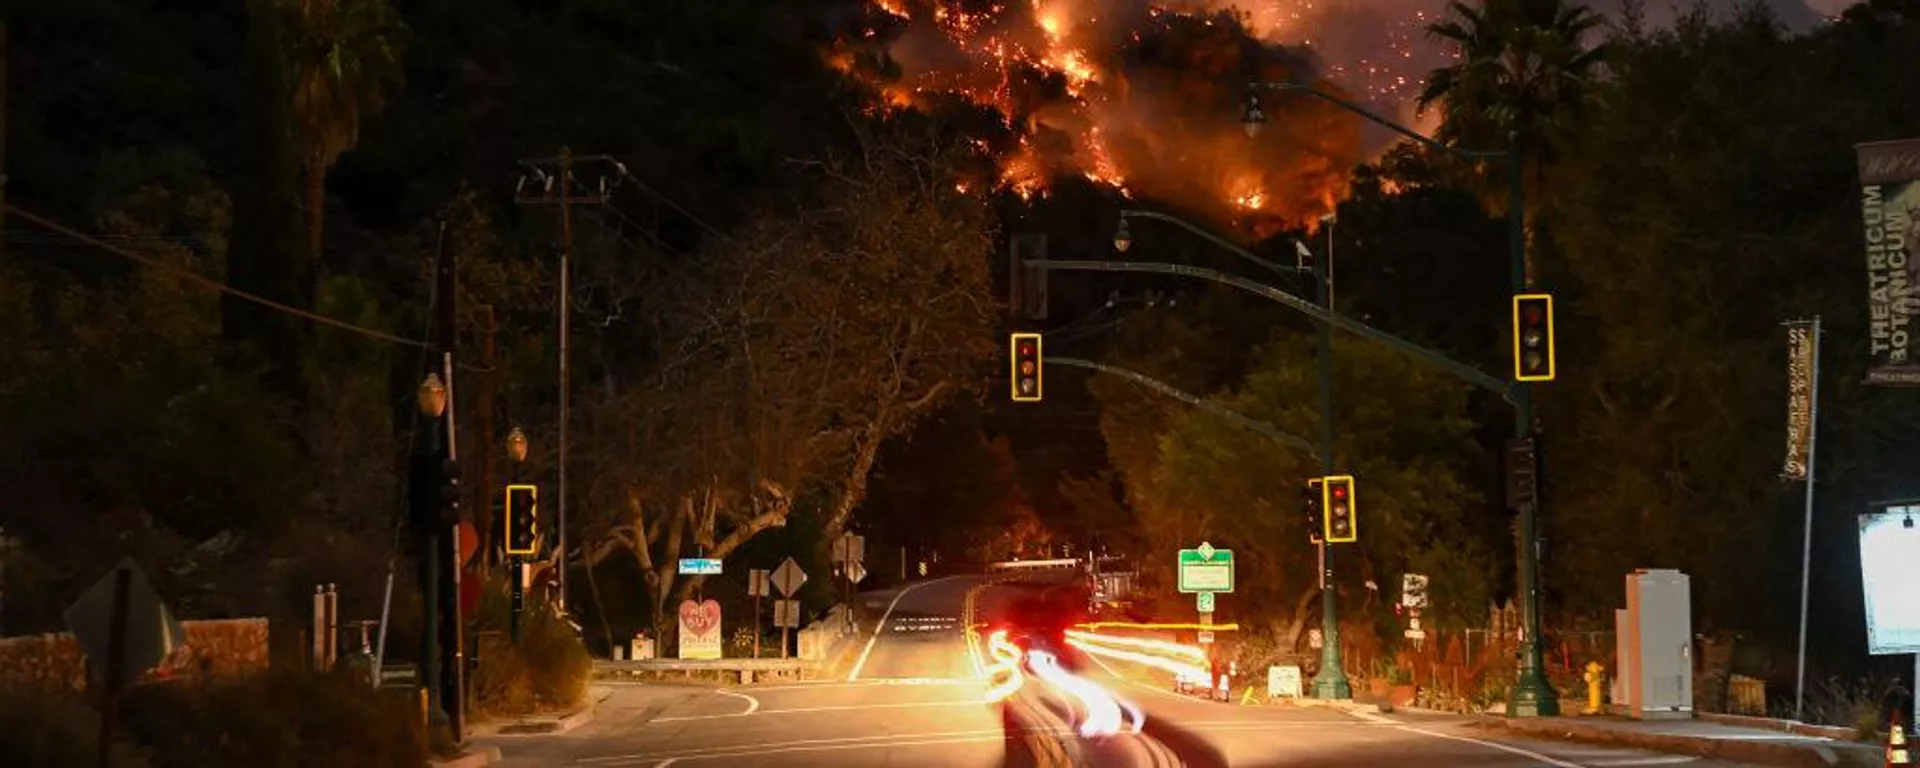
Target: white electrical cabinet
x,y
1655,646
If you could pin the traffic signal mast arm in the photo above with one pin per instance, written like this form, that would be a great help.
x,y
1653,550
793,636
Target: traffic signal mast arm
x,y
1203,404
1458,369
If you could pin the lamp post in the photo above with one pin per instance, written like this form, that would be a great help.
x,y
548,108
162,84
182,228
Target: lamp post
x,y
1531,695
432,397
516,570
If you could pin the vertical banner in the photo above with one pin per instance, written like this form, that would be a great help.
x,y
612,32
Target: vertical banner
x,y
1889,202
1800,346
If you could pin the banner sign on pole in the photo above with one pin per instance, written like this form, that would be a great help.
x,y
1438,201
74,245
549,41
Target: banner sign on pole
x,y
1889,201
1800,346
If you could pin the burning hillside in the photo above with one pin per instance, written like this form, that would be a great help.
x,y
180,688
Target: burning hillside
x,y
1144,98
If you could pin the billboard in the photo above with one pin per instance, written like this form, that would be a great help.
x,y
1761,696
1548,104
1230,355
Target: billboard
x,y
1890,578
1889,203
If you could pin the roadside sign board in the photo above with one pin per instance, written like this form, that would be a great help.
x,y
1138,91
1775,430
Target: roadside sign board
x,y
1206,637
1205,601
1205,569
1283,682
857,572
786,613
757,582
699,566
1413,590
400,675
788,577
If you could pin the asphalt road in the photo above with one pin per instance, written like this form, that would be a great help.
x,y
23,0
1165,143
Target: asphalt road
x,y
913,697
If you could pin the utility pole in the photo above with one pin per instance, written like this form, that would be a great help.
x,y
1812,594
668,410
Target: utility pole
x,y
551,189
3,129
486,524
452,627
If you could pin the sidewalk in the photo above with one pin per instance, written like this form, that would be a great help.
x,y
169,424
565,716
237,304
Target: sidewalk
x,y
1775,745
547,723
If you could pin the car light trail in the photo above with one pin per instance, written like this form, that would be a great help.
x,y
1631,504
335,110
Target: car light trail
x,y
1098,625
1192,653
1103,711
1006,661
1180,669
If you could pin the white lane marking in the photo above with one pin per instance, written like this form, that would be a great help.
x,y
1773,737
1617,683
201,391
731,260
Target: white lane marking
x,y
1666,760
870,683
1110,670
1368,717
854,676
831,747
808,710
753,704
1530,755
665,763
680,754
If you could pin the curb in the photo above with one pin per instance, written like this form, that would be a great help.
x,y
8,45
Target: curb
x,y
563,724
1731,750
472,758
1344,705
1775,724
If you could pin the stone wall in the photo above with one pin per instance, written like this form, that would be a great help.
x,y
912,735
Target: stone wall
x,y
214,649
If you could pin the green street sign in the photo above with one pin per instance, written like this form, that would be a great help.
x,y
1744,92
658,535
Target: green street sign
x,y
1205,600
1205,569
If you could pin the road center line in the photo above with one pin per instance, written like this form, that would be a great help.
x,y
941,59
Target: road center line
x,y
753,704
689,753
1530,755
854,676
896,743
835,708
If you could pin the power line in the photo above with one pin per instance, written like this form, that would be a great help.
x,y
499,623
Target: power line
x,y
209,283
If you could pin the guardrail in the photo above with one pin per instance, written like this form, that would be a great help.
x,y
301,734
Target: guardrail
x,y
819,639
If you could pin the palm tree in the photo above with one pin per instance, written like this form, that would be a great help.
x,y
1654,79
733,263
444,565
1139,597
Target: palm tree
x,y
344,60
1522,66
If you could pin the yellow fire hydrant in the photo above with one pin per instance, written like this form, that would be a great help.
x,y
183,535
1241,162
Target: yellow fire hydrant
x,y
1596,678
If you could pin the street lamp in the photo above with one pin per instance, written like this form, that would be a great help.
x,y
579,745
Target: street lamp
x,y
1532,695
433,397
517,446
429,474
1122,239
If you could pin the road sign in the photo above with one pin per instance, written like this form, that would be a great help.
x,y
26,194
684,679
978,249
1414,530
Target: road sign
x,y
786,613
788,577
1413,591
1206,637
699,566
1205,600
850,547
149,632
1416,634
1205,569
757,583
400,675
857,572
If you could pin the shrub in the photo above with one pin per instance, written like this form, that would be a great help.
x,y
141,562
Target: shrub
x,y
281,718
547,670
54,728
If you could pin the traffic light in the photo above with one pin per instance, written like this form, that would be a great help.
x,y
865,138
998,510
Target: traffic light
x,y
1026,367
1533,337
1338,501
523,517
1310,504
449,508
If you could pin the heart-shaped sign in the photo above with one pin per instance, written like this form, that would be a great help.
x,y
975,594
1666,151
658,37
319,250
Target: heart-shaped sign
x,y
700,619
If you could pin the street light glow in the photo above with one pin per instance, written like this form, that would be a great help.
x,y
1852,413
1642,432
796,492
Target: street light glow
x,y
1122,239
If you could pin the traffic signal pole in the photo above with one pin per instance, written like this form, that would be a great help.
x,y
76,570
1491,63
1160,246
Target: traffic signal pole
x,y
1532,695
452,628
1331,681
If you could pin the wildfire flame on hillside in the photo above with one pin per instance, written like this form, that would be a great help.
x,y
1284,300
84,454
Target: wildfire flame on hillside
x,y
1144,98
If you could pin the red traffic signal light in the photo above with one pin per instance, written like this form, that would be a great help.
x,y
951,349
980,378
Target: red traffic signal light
x,y
523,516
1025,374
1340,513
1533,347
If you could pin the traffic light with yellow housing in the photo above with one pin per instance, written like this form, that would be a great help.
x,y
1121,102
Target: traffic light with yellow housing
x,y
523,519
1533,337
1025,380
1337,500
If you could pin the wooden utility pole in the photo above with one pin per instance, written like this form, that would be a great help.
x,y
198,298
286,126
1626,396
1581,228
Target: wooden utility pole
x,y
3,131
485,522
557,188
